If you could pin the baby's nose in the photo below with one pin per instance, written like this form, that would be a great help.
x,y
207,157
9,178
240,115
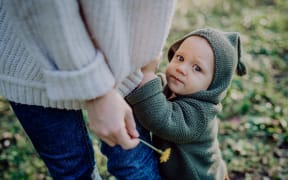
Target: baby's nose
x,y
182,70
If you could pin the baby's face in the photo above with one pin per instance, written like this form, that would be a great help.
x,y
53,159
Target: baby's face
x,y
192,67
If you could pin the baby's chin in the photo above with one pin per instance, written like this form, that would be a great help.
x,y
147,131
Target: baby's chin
x,y
179,91
176,90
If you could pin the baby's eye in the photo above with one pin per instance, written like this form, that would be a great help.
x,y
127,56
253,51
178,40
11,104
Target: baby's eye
x,y
197,68
179,58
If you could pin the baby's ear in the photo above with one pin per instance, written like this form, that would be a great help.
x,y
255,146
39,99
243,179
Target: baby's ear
x,y
234,39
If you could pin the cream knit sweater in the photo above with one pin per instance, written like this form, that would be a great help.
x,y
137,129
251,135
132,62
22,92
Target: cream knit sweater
x,y
47,56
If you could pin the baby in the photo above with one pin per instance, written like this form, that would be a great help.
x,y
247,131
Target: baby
x,y
183,117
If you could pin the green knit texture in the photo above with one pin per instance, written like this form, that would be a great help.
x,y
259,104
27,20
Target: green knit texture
x,y
186,125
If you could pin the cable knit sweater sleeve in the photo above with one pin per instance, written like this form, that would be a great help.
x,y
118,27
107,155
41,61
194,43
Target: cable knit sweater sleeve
x,y
58,46
130,33
55,35
178,121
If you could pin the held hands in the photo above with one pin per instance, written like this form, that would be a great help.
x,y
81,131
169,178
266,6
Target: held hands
x,y
111,119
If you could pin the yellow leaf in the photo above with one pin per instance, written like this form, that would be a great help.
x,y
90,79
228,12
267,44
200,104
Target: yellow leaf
x,y
165,155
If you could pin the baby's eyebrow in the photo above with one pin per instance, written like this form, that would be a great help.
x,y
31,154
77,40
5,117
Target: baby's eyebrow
x,y
179,51
199,61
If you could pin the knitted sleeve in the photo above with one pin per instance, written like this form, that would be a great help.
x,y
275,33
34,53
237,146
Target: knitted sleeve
x,y
127,32
56,37
179,121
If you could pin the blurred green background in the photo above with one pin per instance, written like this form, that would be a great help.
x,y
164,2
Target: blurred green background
x,y
254,121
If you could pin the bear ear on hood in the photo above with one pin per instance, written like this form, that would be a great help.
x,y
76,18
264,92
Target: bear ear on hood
x,y
234,39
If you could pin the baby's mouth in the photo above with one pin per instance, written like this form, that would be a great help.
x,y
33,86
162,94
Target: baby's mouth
x,y
176,79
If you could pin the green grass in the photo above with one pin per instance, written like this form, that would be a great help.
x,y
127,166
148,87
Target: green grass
x,y
253,130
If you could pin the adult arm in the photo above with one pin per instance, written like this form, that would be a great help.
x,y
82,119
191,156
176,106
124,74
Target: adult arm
x,y
129,36
60,35
73,68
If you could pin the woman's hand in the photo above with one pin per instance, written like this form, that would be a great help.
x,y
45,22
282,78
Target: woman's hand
x,y
111,119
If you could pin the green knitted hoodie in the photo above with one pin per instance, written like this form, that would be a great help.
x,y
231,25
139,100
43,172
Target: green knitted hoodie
x,y
187,123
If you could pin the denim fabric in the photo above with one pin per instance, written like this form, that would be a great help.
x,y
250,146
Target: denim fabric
x,y
134,164
61,139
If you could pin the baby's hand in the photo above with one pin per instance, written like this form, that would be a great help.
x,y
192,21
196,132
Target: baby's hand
x,y
149,71
152,66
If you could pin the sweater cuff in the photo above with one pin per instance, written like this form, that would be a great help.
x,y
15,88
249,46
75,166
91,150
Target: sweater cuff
x,y
149,89
130,83
91,81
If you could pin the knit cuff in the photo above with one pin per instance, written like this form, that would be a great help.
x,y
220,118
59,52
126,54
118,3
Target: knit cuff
x,y
149,89
92,81
130,83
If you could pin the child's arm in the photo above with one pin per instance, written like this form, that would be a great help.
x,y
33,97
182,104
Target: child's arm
x,y
180,121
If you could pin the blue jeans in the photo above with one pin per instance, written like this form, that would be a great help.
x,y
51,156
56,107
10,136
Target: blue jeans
x,y
61,139
134,164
